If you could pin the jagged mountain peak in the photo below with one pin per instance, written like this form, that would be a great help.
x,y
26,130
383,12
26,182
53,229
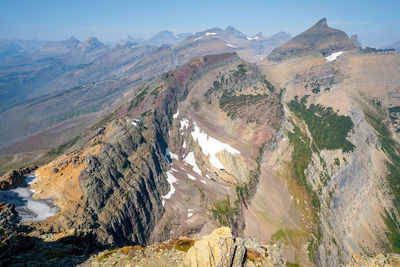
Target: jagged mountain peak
x,y
72,42
322,23
233,31
319,38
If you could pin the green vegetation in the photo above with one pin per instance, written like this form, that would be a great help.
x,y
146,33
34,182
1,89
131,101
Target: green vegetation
x,y
289,236
107,254
337,162
233,104
138,99
224,212
393,234
268,84
61,149
290,264
103,122
392,150
184,244
328,129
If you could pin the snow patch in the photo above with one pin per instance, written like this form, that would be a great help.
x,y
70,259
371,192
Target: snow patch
x,y
230,45
191,177
204,182
211,33
184,144
198,38
134,123
208,176
184,124
334,56
260,57
171,180
190,213
173,156
253,38
176,114
211,146
192,161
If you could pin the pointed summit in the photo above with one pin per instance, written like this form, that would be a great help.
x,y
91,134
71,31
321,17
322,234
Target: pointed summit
x,y
72,42
318,39
321,24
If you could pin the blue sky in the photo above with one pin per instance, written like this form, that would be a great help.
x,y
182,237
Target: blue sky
x,y
376,22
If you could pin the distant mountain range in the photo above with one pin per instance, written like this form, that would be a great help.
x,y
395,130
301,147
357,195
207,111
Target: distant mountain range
x,y
58,81
395,45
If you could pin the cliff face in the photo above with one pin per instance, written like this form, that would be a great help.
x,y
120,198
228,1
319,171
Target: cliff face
x,y
346,170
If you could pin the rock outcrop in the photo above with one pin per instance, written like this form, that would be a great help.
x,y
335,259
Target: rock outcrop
x,y
219,248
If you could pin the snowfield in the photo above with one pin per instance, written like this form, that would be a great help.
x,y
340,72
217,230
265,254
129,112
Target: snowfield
x,y
211,33
334,56
230,45
192,161
211,146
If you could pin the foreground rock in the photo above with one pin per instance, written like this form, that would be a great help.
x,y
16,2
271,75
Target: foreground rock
x,y
15,178
219,248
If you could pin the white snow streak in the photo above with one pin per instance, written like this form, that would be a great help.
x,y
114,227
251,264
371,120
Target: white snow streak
x,y
171,180
192,161
198,38
190,213
184,144
211,33
333,56
191,177
230,45
211,146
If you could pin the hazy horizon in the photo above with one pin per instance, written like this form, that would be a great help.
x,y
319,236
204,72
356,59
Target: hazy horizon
x,y
377,24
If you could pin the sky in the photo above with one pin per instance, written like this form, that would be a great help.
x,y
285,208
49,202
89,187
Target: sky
x,y
377,23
